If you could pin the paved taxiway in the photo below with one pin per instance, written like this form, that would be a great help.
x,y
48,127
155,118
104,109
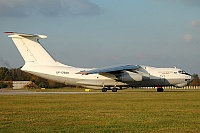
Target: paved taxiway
x,y
24,92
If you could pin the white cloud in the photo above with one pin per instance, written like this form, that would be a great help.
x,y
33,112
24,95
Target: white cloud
x,y
196,24
23,8
193,38
187,38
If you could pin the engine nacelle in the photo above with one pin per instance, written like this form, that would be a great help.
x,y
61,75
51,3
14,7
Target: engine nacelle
x,y
130,77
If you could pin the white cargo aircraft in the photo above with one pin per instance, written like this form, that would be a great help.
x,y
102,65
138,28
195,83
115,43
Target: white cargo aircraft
x,y
40,63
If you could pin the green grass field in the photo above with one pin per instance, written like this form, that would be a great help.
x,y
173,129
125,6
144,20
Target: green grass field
x,y
124,111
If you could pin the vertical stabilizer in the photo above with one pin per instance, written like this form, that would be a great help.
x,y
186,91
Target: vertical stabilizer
x,y
30,48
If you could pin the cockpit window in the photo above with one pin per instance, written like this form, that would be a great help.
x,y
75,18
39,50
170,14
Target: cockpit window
x,y
183,72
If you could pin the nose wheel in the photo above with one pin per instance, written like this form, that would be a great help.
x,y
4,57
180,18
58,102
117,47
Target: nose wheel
x,y
160,89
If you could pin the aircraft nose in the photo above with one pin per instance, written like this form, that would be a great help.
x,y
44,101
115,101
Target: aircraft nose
x,y
189,78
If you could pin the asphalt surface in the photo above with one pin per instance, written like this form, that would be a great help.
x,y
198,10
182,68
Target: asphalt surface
x,y
24,92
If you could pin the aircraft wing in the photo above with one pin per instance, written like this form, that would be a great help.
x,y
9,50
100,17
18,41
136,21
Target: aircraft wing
x,y
110,69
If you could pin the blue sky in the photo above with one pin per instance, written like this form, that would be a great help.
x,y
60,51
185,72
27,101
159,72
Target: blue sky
x,y
98,33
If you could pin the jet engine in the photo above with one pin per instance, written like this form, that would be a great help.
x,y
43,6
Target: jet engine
x,y
127,76
130,77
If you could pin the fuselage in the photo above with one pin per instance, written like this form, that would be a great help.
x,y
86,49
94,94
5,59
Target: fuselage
x,y
39,62
68,75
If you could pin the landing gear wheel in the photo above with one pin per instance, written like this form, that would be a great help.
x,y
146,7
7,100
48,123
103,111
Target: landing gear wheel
x,y
160,89
104,89
114,90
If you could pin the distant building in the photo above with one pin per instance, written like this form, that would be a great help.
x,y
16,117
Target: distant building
x,y
23,84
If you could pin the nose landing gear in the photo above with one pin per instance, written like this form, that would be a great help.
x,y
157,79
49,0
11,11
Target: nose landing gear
x,y
160,89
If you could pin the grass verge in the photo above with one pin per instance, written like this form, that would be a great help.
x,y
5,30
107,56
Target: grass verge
x,y
132,111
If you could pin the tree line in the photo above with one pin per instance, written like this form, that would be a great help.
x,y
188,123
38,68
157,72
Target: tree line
x,y
15,74
196,80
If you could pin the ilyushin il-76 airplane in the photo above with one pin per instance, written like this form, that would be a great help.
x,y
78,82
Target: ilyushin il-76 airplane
x,y
39,62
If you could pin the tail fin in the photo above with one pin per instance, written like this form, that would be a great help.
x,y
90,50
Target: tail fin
x,y
30,48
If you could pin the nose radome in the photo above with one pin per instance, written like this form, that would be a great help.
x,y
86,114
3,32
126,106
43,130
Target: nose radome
x,y
189,79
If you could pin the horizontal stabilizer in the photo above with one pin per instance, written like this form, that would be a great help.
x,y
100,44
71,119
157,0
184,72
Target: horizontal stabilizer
x,y
16,34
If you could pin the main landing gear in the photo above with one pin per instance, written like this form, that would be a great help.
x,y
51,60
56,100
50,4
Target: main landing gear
x,y
104,89
160,89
